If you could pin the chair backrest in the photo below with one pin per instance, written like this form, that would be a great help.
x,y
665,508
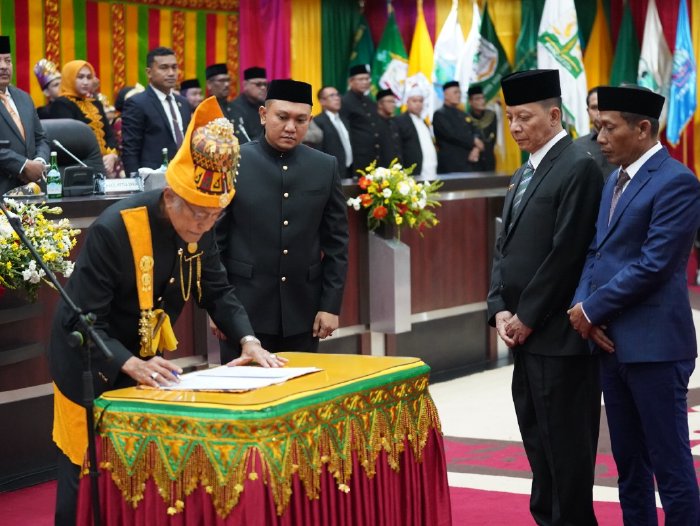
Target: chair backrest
x,y
78,138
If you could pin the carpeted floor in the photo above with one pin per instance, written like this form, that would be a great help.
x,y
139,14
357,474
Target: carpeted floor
x,y
488,471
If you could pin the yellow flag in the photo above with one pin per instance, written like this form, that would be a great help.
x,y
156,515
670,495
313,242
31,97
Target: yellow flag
x,y
420,60
597,58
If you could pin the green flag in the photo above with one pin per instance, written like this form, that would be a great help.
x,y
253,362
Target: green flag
x,y
362,46
390,60
490,61
626,59
526,46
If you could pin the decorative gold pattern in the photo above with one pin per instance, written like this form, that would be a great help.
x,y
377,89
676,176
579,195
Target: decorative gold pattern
x,y
178,38
92,114
207,5
186,290
52,31
183,451
232,52
119,46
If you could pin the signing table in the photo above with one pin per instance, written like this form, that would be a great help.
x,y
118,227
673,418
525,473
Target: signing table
x,y
358,443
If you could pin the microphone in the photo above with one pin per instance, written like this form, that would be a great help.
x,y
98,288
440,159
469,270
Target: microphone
x,y
242,128
81,163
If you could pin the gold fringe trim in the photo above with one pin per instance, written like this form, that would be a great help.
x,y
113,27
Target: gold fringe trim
x,y
94,117
221,455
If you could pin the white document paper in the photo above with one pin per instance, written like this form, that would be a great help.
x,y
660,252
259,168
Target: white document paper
x,y
241,378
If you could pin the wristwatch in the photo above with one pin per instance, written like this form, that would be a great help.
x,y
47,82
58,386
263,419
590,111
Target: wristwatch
x,y
248,339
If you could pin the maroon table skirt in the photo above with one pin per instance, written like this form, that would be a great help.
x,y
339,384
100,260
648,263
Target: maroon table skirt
x,y
415,495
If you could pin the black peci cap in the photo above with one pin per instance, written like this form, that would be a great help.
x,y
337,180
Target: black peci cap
x,y
475,90
385,93
254,73
214,70
358,69
190,83
5,45
630,99
290,90
523,87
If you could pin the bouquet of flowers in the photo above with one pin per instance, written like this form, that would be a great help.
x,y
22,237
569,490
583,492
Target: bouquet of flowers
x,y
52,239
391,195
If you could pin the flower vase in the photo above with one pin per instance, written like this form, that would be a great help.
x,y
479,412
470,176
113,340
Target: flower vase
x,y
390,283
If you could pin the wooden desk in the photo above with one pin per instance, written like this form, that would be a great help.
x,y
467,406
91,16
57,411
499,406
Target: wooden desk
x,y
358,443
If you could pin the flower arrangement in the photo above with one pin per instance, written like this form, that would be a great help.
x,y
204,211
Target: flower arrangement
x,y
392,196
52,239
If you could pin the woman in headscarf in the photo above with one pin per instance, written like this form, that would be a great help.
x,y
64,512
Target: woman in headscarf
x,y
75,101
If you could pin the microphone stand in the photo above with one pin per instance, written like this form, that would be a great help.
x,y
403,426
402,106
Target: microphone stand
x,y
86,337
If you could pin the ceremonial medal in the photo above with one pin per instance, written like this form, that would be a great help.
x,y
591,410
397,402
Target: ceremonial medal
x,y
191,248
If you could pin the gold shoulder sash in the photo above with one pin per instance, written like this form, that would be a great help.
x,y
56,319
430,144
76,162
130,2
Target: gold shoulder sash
x,y
155,331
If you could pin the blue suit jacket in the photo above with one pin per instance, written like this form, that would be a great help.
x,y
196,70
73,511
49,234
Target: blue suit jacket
x,y
634,281
146,130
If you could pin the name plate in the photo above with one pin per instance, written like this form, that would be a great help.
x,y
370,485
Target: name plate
x,y
122,186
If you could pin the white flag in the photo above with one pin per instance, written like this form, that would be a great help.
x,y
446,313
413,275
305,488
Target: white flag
x,y
446,54
655,60
465,65
558,47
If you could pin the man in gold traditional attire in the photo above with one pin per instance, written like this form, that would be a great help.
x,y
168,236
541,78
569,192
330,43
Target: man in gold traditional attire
x,y
143,259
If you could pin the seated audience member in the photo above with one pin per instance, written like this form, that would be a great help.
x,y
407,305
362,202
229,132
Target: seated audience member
x,y
417,144
334,138
75,102
192,91
49,79
458,143
486,123
589,142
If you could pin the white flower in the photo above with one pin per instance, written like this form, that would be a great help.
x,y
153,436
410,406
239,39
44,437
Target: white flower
x,y
354,202
5,228
31,275
381,172
68,268
403,187
386,193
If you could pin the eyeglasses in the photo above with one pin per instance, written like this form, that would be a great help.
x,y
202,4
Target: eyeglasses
x,y
199,215
258,83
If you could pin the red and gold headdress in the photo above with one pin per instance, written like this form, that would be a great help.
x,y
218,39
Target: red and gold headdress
x,y
203,170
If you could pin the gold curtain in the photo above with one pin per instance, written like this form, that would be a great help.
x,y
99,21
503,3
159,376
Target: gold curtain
x,y
306,48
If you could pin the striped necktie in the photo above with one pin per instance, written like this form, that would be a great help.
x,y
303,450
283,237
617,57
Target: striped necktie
x,y
13,113
522,187
622,179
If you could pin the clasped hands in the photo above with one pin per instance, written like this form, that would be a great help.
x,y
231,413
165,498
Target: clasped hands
x,y
511,329
587,330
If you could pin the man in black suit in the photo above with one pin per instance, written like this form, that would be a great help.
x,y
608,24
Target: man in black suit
x,y
28,152
157,117
251,98
549,218
219,86
361,112
334,138
458,143
589,142
486,123
417,145
284,239
390,142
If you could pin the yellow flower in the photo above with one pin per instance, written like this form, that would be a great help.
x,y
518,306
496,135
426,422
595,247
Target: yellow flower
x,y
398,219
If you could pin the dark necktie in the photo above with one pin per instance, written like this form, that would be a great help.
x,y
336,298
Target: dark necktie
x,y
524,182
622,179
173,117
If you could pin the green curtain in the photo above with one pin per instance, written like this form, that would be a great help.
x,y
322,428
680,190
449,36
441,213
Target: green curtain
x,y
338,22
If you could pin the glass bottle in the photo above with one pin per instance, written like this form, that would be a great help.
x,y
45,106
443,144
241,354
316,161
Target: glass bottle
x,y
54,184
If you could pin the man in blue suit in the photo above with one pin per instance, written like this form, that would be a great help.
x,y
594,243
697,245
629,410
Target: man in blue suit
x,y
156,118
632,302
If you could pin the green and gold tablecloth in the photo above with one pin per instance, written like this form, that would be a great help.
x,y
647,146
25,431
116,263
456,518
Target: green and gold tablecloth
x,y
336,420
